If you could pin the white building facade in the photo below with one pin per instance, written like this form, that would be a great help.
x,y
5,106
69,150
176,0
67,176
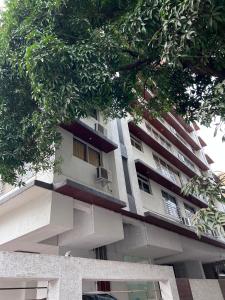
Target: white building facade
x,y
117,199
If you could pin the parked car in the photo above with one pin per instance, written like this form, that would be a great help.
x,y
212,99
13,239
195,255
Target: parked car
x,y
98,297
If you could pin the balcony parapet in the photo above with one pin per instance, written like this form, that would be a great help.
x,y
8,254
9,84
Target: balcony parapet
x,y
172,157
170,119
159,178
209,159
180,228
91,136
165,130
88,194
186,126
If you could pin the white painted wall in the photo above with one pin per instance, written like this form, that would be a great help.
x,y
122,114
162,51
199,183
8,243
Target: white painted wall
x,y
42,217
206,289
93,229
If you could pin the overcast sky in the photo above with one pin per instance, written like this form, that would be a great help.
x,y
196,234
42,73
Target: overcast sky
x,y
215,148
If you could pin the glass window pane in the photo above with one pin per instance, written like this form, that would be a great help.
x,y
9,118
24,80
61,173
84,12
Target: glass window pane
x,y
94,114
79,149
136,142
94,157
171,205
146,188
140,184
144,184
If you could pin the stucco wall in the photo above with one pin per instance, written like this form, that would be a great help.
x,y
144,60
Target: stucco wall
x,y
65,274
206,289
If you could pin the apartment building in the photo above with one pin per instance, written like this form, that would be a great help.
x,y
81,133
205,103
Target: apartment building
x,y
117,198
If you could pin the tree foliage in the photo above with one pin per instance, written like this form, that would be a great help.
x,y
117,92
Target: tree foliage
x,y
61,58
212,189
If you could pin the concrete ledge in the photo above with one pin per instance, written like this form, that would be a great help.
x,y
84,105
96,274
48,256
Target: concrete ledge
x,y
88,194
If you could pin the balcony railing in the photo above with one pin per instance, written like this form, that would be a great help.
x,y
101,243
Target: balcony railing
x,y
162,141
173,131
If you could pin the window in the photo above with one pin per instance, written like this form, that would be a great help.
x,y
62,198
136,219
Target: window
x,y
93,157
135,142
189,211
144,183
186,160
171,205
94,114
167,170
159,138
79,149
86,153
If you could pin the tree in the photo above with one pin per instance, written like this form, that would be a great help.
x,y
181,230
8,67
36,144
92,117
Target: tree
x,y
212,188
61,58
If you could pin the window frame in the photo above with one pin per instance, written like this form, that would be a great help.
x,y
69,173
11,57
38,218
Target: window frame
x,y
159,138
136,141
144,180
87,147
167,170
166,198
186,160
94,114
189,211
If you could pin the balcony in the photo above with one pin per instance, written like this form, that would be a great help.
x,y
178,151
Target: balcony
x,y
202,142
209,159
166,182
168,153
180,228
171,120
91,136
165,130
88,194
186,126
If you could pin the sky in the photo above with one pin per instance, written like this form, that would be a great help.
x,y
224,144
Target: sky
x,y
215,148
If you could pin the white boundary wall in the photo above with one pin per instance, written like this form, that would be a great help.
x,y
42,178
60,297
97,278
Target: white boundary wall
x,y
65,274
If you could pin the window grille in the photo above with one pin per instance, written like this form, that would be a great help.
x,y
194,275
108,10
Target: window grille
x,y
171,206
135,142
167,170
144,183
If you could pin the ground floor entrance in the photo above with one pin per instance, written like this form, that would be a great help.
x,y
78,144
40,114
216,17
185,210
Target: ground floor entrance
x,y
68,278
46,277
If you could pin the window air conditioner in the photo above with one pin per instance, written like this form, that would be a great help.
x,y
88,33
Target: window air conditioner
x,y
104,175
101,129
186,221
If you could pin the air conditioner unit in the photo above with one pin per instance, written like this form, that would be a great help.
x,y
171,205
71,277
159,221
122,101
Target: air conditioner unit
x,y
186,221
104,175
101,129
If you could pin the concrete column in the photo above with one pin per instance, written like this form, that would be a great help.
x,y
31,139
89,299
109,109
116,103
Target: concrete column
x,y
189,269
169,290
65,289
53,290
194,269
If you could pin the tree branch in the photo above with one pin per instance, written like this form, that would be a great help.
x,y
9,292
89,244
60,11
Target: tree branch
x,y
136,65
208,69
